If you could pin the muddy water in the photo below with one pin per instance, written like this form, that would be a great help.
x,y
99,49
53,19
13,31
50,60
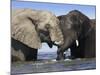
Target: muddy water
x,y
52,66
47,63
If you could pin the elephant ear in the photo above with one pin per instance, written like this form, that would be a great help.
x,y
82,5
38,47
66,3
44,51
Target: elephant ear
x,y
25,32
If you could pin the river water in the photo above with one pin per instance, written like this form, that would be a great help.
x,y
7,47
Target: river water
x,y
47,63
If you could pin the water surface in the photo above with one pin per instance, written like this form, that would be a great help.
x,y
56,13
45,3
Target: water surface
x,y
47,63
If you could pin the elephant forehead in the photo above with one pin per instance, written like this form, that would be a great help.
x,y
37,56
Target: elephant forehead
x,y
46,13
48,17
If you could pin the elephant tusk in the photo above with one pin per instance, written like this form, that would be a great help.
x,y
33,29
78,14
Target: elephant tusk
x,y
58,43
77,43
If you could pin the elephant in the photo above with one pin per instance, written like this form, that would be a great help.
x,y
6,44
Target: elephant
x,y
87,46
76,26
28,27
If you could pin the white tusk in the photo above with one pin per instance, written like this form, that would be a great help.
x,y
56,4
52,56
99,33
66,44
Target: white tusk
x,y
77,43
57,42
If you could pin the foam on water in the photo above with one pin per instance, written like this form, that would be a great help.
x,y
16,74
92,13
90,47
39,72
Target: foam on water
x,y
68,60
54,60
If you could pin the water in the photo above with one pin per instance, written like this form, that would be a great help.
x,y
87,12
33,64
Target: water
x,y
51,55
47,55
46,63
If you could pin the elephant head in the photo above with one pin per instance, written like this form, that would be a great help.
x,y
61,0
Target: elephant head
x,y
75,25
27,23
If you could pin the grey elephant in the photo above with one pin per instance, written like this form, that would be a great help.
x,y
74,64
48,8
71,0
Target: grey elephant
x,y
76,26
28,28
87,46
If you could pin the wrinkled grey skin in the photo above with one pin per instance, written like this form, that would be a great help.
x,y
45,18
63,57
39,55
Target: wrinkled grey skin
x,y
27,26
21,52
26,23
77,26
87,46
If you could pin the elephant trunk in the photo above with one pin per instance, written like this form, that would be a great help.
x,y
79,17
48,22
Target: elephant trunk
x,y
56,36
55,32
